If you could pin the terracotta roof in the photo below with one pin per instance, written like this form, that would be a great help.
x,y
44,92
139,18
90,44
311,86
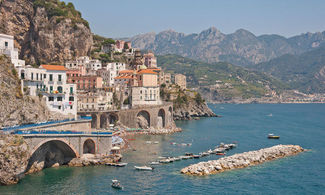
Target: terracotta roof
x,y
123,77
147,71
54,67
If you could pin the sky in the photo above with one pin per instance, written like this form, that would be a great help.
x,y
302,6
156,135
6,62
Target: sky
x,y
126,18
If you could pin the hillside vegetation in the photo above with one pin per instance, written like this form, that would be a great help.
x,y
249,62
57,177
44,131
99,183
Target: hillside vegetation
x,y
224,80
305,72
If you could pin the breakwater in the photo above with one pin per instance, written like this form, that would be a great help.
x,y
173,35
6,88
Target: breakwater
x,y
242,160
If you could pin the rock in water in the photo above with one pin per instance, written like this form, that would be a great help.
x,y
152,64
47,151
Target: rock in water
x,y
242,160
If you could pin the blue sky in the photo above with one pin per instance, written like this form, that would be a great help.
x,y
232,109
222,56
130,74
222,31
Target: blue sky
x,y
125,18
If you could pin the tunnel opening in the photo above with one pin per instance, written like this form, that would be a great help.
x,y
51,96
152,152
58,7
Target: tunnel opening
x,y
89,147
50,153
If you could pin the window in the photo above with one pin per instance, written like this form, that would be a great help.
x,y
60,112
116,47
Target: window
x,y
37,86
44,76
59,107
37,76
59,77
60,89
140,91
71,107
51,99
71,98
32,76
71,90
6,44
51,77
51,89
59,99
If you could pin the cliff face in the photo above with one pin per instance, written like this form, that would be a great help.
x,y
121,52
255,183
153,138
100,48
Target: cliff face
x,y
15,107
187,104
13,159
43,35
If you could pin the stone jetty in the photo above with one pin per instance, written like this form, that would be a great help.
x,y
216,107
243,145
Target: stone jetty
x,y
242,160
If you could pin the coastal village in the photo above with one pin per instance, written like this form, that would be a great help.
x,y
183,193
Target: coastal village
x,y
86,84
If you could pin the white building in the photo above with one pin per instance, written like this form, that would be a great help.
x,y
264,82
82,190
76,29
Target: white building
x,y
95,101
85,62
7,48
114,68
145,96
50,81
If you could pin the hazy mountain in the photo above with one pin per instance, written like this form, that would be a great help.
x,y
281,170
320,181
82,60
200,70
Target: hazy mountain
x,y
221,80
241,47
305,71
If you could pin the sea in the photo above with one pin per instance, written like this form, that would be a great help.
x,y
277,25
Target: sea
x,y
246,124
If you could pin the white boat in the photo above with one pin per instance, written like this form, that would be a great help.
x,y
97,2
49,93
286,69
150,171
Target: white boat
x,y
154,163
165,161
156,142
162,157
143,168
148,142
121,164
116,184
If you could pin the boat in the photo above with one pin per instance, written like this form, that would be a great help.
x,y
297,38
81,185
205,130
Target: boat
x,y
121,164
165,161
173,143
188,154
184,157
220,153
143,168
204,154
189,144
116,184
154,163
162,157
196,156
177,159
110,164
272,136
148,142
156,142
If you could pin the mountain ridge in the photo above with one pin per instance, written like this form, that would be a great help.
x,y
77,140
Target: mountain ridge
x,y
240,47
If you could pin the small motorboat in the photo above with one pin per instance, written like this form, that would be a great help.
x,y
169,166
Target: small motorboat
x,y
188,154
121,164
220,153
156,142
154,163
196,156
272,136
184,157
177,159
165,161
148,142
173,143
189,144
143,168
116,184
110,164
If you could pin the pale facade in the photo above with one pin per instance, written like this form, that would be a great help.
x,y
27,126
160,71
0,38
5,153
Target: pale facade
x,y
150,60
114,68
95,101
84,62
145,96
50,81
180,80
7,48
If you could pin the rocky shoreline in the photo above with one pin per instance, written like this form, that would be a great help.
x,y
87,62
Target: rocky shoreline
x,y
193,111
242,160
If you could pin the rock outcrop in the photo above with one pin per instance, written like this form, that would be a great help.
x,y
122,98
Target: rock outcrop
x,y
192,111
45,31
13,159
242,160
16,108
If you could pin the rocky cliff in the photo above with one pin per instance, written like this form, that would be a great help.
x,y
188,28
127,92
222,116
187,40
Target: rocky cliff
x,y
187,104
17,108
13,159
45,31
241,47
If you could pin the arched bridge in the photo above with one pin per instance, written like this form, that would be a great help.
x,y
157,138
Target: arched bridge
x,y
48,149
156,116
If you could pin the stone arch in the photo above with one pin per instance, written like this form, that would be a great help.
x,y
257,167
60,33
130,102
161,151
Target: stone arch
x,y
93,121
50,152
89,146
143,119
112,118
161,118
103,120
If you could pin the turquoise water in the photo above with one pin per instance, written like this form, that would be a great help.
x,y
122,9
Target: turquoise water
x,y
302,124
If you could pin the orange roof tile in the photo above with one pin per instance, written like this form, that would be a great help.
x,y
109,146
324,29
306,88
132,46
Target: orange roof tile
x,y
146,71
54,67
